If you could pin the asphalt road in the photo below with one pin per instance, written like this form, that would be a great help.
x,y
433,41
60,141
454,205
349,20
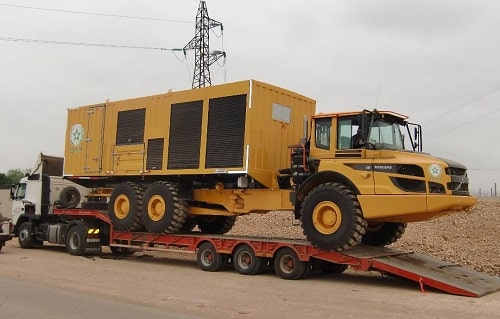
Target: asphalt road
x,y
19,299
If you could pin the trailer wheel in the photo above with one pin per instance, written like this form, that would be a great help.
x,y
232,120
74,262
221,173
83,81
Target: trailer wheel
x,y
163,211
245,262
287,264
125,205
25,236
75,240
69,197
210,224
332,218
381,234
208,259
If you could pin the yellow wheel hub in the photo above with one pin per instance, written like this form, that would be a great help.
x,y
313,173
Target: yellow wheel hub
x,y
327,217
121,206
156,208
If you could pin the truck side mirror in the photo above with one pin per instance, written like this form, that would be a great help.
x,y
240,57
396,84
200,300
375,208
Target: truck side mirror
x,y
12,191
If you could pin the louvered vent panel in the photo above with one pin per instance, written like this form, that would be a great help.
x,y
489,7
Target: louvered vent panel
x,y
130,127
155,154
226,132
185,135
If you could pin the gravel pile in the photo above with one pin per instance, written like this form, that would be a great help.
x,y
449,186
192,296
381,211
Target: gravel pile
x,y
471,239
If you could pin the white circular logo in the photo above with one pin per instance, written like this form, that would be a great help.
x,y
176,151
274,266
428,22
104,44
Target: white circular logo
x,y
435,170
76,134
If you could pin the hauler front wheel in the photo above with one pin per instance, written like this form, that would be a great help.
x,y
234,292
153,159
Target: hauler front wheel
x,y
331,217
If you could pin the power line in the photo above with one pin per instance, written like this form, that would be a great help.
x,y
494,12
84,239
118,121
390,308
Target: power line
x,y
85,44
462,124
464,105
94,13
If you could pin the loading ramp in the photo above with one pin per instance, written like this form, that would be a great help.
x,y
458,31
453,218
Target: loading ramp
x,y
425,270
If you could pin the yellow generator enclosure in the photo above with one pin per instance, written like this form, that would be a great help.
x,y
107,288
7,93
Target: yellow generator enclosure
x,y
237,128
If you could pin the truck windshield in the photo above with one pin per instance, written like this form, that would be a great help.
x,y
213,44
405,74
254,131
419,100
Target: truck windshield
x,y
386,135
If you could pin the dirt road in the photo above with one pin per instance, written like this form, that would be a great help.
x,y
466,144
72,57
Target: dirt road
x,y
173,282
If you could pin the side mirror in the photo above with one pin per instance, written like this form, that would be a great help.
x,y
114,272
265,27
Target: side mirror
x,y
12,191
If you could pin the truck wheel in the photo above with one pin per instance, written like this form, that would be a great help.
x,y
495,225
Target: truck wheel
x,y
25,236
75,240
287,264
381,234
163,211
69,197
125,206
245,262
208,259
215,224
332,218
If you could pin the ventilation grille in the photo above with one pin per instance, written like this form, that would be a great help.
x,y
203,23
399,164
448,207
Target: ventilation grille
x,y
226,132
155,154
185,135
130,127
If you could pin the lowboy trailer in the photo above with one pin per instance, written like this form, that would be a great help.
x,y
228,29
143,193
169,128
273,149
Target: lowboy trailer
x,y
86,231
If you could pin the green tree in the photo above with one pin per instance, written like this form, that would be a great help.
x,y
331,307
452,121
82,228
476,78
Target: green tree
x,y
16,174
4,181
13,176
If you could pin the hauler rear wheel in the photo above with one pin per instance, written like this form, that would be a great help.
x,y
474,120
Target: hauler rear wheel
x,y
332,218
125,205
163,211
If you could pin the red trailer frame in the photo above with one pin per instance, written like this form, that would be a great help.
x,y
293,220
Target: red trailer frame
x,y
214,251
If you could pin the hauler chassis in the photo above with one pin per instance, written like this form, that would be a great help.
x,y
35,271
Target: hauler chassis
x,y
86,231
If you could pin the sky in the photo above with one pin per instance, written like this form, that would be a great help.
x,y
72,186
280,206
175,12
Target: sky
x,y
436,61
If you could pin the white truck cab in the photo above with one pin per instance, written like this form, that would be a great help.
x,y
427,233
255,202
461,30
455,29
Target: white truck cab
x,y
37,194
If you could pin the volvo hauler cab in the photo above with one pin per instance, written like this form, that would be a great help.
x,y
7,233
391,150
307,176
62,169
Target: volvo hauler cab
x,y
362,176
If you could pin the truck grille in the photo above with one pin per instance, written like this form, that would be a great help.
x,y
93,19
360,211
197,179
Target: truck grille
x,y
459,184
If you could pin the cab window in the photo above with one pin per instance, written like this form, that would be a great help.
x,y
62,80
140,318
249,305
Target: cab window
x,y
20,191
323,133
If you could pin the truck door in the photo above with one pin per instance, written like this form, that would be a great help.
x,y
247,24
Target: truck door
x,y
94,139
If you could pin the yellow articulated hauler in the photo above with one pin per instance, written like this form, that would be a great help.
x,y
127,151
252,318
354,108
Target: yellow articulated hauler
x,y
170,162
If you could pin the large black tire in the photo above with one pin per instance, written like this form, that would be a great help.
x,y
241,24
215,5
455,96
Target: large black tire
x,y
162,209
25,236
332,218
245,262
215,224
69,197
125,206
208,259
75,240
287,264
381,234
